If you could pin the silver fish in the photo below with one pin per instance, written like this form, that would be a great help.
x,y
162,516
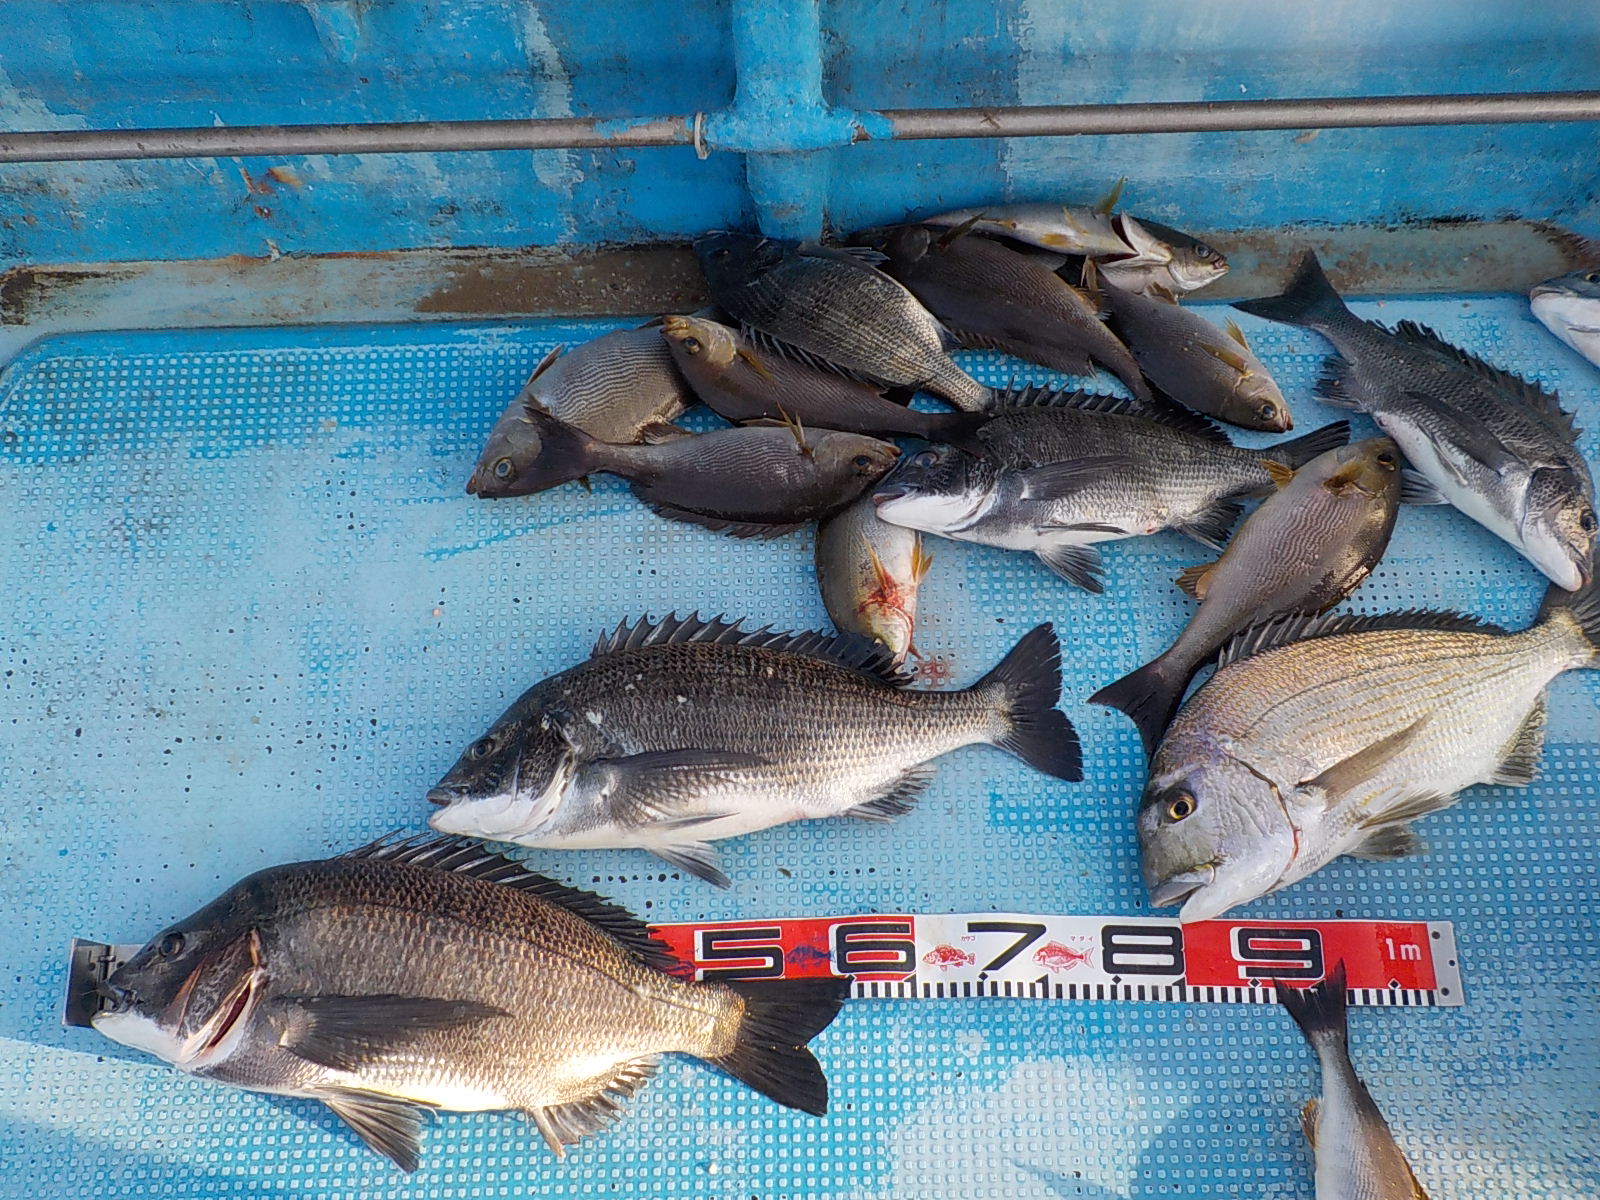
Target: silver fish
x,y
1086,229
1498,447
1210,370
869,572
679,732
1162,257
1569,306
429,973
1356,1154
1305,549
757,481
834,309
1061,471
620,387
1298,751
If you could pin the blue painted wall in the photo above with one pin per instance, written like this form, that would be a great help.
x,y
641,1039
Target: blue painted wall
x,y
72,64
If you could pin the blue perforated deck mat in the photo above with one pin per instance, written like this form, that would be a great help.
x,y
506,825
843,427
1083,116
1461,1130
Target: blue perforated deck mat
x,y
250,616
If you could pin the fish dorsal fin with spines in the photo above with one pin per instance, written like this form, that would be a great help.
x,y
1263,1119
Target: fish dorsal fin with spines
x,y
1231,328
845,649
1034,395
1270,635
463,857
1545,406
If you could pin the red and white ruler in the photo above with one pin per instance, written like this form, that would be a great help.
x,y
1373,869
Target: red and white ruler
x,y
1021,955
961,955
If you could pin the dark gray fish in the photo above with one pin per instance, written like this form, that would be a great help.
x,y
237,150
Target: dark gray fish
x,y
1061,471
755,481
679,732
1210,370
993,297
429,973
1356,1154
739,382
1498,447
1305,549
620,387
836,310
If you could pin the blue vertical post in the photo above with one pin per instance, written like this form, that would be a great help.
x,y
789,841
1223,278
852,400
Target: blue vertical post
x,y
779,119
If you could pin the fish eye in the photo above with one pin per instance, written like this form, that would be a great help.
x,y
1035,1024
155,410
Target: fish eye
x,y
1269,409
1586,521
692,345
1204,251
504,468
1591,276
862,460
721,252
925,458
170,946
1183,805
1386,459
480,748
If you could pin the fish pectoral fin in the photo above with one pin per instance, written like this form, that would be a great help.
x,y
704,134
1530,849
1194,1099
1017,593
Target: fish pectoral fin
x,y
344,1032
1078,565
1472,438
1387,842
1416,489
1400,805
697,858
1280,474
564,1125
1194,581
652,787
391,1126
1519,761
899,798
1211,527
1310,1117
653,433
1356,769
1227,356
1055,481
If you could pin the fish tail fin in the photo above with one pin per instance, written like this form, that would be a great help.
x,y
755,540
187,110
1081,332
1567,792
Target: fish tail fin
x,y
1582,607
1297,452
565,453
769,1051
1309,299
1319,1010
1025,686
1149,696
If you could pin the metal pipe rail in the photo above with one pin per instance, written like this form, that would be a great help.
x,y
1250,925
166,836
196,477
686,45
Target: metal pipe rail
x,y
725,132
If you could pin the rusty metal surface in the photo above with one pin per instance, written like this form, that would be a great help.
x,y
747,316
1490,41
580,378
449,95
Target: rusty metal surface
x,y
446,285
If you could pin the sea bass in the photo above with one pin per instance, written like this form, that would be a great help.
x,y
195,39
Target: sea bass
x,y
869,572
620,387
678,732
1298,751
1569,306
1499,448
1356,1155
1061,471
1305,549
739,382
836,310
431,973
995,298
755,481
1210,370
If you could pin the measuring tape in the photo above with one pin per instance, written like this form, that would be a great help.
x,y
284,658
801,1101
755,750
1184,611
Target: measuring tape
x,y
969,955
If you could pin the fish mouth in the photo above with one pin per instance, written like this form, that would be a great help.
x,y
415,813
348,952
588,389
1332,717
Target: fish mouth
x,y
472,484
893,491
444,797
1175,889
